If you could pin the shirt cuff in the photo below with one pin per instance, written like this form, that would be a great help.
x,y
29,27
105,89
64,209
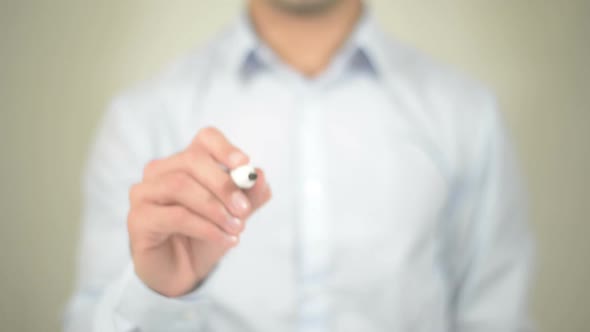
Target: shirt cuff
x,y
151,311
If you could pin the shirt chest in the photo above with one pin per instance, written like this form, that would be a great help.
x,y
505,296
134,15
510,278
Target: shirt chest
x,y
347,154
356,196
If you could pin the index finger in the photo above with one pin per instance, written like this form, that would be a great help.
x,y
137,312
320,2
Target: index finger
x,y
220,148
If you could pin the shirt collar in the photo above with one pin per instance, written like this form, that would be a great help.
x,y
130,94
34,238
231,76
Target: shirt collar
x,y
362,51
244,45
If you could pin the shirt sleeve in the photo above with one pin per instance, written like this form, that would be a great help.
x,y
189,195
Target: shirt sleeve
x,y
493,247
109,296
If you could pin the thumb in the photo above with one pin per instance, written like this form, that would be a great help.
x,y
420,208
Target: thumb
x,y
260,193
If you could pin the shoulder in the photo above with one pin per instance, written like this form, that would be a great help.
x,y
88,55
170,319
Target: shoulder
x,y
439,85
457,113
176,85
139,118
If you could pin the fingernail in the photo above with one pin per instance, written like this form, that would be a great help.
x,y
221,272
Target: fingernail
x,y
237,158
234,224
267,188
231,240
240,202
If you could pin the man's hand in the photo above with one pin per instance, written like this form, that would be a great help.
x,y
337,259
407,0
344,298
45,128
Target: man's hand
x,y
187,213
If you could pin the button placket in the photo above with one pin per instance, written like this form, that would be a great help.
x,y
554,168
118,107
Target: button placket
x,y
313,224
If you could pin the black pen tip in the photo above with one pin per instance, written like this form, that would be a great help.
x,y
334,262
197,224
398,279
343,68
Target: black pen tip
x,y
252,176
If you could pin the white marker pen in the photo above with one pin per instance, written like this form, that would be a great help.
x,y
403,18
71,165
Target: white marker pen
x,y
244,176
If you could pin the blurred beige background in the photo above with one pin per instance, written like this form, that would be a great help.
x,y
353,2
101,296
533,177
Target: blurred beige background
x,y
62,60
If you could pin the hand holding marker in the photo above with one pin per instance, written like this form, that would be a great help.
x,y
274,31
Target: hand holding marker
x,y
189,209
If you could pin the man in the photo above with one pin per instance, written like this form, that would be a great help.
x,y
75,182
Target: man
x,y
395,203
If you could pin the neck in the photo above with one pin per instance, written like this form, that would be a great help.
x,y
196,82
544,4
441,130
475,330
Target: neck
x,y
307,42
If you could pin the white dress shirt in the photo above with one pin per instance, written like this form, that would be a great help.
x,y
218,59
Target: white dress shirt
x,y
396,205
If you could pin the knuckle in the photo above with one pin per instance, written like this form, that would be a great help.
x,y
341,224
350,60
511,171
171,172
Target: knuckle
x,y
177,182
206,133
131,215
178,215
133,218
150,167
191,158
134,192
